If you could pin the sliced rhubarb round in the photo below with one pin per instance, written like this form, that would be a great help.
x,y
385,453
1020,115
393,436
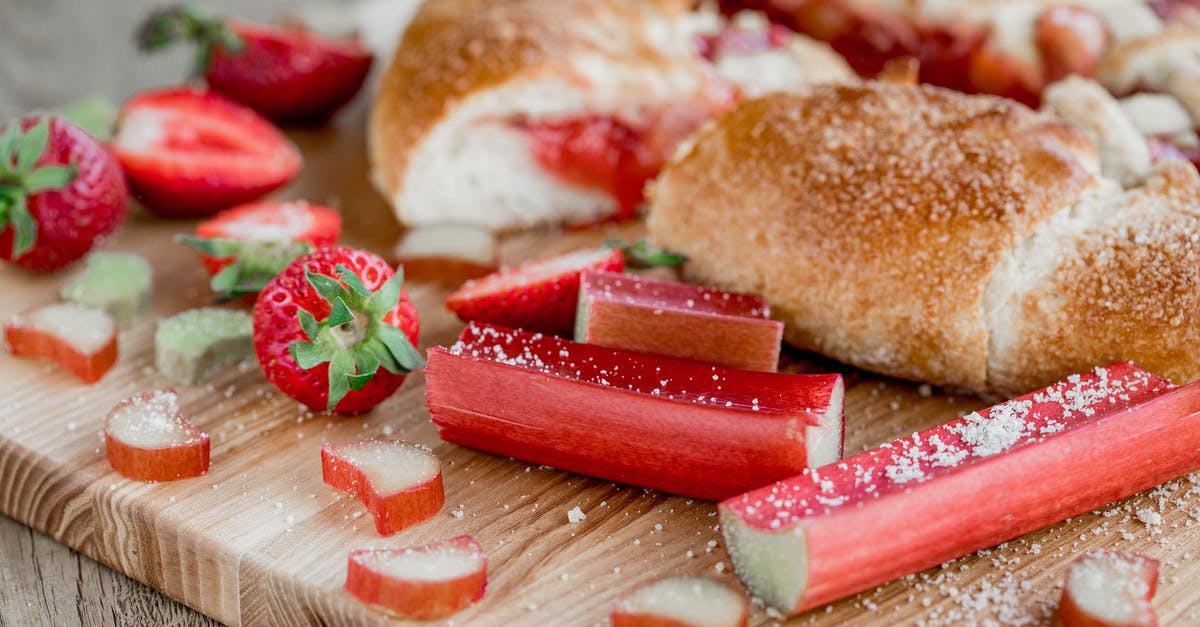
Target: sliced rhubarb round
x,y
1109,589
81,339
149,440
400,483
425,581
681,602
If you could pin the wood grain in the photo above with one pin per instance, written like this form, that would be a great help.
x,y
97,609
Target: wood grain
x,y
261,541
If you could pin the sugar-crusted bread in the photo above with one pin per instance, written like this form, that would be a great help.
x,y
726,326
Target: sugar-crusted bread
x,y
929,235
448,140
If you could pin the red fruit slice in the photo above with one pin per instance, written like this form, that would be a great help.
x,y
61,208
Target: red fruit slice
x,y
288,74
426,581
447,253
245,246
968,484
539,295
1109,589
399,483
682,602
655,422
147,439
192,153
650,316
81,339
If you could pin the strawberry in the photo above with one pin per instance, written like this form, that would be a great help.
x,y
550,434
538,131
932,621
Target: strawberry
x,y
336,331
542,295
60,193
286,74
244,247
191,153
538,295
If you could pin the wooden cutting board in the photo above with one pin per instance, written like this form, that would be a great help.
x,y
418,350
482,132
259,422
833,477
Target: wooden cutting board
x,y
260,540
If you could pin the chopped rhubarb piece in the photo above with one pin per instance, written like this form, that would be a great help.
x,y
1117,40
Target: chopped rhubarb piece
x,y
968,484
191,345
399,483
118,283
81,339
149,440
678,320
427,581
539,295
446,253
681,602
1109,589
656,422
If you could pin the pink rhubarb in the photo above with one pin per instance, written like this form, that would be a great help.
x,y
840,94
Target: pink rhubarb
x,y
656,422
1109,589
678,320
968,484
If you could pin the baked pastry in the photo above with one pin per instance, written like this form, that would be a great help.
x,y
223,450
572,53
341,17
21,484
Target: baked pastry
x,y
925,234
510,113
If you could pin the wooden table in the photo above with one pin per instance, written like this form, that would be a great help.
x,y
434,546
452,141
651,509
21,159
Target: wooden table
x,y
53,51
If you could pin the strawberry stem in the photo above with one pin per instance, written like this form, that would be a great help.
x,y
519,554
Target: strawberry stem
x,y
253,264
167,26
641,255
353,338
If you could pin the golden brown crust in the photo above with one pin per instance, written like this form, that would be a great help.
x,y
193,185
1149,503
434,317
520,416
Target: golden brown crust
x,y
1126,289
454,48
870,217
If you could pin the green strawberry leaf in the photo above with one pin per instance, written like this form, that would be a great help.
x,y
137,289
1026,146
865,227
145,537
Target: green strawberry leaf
x,y
213,247
23,224
341,369
226,280
349,278
309,354
32,144
327,287
309,324
8,143
401,349
339,314
384,300
48,177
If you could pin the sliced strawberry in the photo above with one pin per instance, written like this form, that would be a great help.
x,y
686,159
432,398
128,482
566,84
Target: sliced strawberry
x,y
336,331
192,153
147,439
539,295
81,339
287,74
400,483
425,581
61,192
244,247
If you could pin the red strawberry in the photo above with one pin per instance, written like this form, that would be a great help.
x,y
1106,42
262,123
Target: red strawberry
x,y
244,247
60,193
539,295
336,331
192,153
287,74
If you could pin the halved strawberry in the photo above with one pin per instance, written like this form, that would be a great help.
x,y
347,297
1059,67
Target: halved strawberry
x,y
336,331
61,192
191,153
244,247
287,74
539,295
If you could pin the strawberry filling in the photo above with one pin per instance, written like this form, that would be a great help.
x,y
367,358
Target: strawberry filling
x,y
599,153
1164,149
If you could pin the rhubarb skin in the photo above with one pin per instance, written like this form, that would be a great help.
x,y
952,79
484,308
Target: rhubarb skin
x,y
677,320
941,494
417,597
392,512
157,464
1144,573
26,341
700,431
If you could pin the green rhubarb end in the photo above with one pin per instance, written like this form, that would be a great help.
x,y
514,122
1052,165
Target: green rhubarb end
x,y
192,345
118,283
